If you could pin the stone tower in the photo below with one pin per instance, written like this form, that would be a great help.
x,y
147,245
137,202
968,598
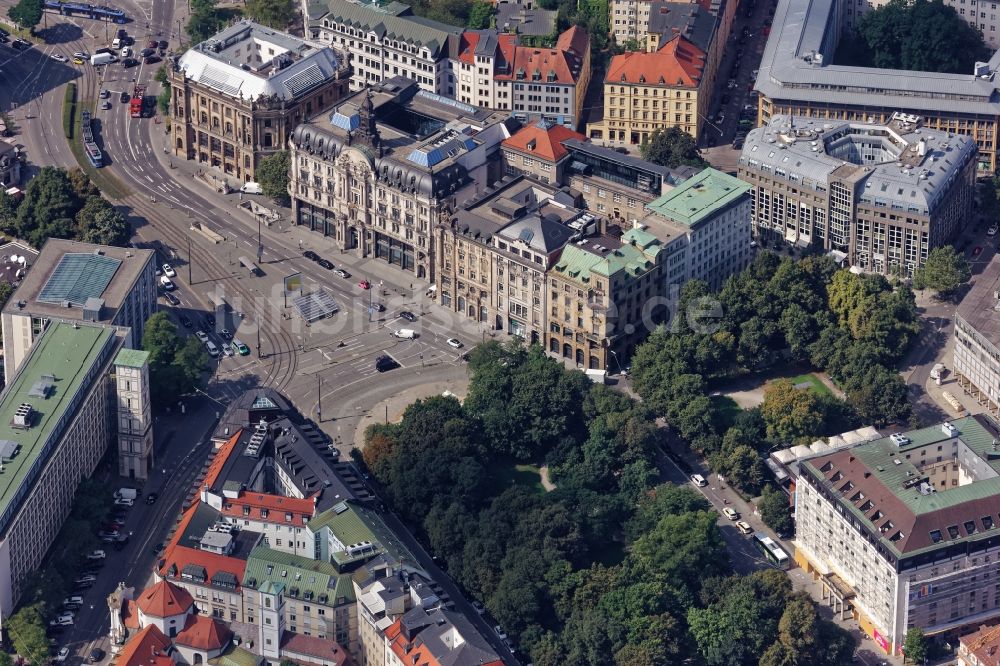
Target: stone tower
x,y
135,421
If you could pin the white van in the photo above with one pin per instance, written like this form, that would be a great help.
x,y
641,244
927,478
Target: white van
x,y
699,480
102,59
405,333
213,351
937,372
166,283
251,188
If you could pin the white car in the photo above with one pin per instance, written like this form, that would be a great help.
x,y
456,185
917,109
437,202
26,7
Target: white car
x,y
202,336
63,653
81,55
992,231
124,501
97,555
58,57
730,513
501,634
169,271
126,52
73,600
744,527
227,350
699,480
455,342
66,615
166,283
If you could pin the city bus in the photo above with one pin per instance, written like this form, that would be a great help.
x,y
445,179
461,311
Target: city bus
x,y
771,551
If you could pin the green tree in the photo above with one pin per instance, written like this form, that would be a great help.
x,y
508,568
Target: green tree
x,y
205,20
944,271
161,340
8,211
791,413
915,646
26,13
5,658
49,206
100,222
921,35
775,511
188,365
672,148
163,100
276,14
879,395
272,174
480,14
27,633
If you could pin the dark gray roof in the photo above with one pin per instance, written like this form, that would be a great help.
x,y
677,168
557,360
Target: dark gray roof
x,y
432,628
530,22
395,21
668,19
577,146
979,307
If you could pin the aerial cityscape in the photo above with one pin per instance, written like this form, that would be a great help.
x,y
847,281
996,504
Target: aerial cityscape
x,y
499,333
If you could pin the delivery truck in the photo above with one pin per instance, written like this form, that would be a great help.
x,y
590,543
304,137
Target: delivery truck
x,y
102,59
126,493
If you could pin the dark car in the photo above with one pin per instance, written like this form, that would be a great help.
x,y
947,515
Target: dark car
x,y
21,45
211,320
128,41
151,44
407,315
95,655
310,255
150,60
124,97
385,363
129,62
173,300
162,45
157,548
737,144
325,264
147,52
151,498
378,307
122,33
185,322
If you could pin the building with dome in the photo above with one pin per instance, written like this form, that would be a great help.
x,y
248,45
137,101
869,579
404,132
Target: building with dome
x,y
237,96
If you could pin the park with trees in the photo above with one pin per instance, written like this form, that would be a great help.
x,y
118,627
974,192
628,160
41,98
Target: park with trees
x,y
606,567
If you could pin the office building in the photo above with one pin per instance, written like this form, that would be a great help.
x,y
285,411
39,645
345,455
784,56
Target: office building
x,y
645,92
882,195
81,282
56,421
237,97
380,169
537,150
799,77
901,532
977,339
715,208
386,40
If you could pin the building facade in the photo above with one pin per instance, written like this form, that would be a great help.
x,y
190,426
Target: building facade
x,y
977,339
134,414
901,531
120,292
798,77
882,195
645,92
537,150
237,97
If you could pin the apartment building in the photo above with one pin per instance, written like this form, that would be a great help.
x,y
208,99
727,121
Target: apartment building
x,y
497,248
537,150
977,340
480,57
798,77
386,40
437,636
381,169
881,194
715,208
56,420
696,23
644,92
81,282
237,97
901,531
980,648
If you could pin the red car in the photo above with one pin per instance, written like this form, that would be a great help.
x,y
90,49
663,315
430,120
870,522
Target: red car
x,y
365,284
976,251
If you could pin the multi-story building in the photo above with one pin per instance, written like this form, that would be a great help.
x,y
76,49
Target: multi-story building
x,y
378,173
980,648
798,77
977,339
882,195
436,636
537,150
902,531
636,20
134,414
10,165
715,208
81,282
497,248
529,22
385,41
237,97
482,55
56,421
696,23
644,92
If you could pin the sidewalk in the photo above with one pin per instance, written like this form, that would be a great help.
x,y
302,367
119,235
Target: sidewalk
x,y
391,409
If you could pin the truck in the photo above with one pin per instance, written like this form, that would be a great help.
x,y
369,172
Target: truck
x,y
136,103
126,493
937,372
102,59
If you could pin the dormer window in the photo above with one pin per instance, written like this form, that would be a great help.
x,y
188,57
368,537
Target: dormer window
x,y
953,531
263,513
642,78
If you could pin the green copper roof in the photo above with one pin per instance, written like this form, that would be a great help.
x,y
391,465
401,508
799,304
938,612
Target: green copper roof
x,y
351,524
298,575
132,358
236,656
636,256
700,197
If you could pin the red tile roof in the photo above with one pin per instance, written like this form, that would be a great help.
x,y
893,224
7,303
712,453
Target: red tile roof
x,y
181,556
204,633
678,63
147,648
545,143
310,646
563,63
985,644
467,47
417,652
215,467
164,599
276,505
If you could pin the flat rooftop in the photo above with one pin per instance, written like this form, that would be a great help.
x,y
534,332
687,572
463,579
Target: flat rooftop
x,y
979,307
700,197
53,374
880,483
69,271
13,270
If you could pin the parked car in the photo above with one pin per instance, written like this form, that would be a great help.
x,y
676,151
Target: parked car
x,y
455,342
407,315
342,273
170,298
63,653
310,255
151,498
87,578
227,349
185,322
96,655
699,480
169,271
202,336
325,264
365,284
730,513
226,335
61,622
479,607
166,284
72,600
744,527
58,57
162,45
501,634
96,555
124,501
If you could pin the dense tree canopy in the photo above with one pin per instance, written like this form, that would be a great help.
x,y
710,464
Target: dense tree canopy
x,y
26,13
205,20
175,365
276,14
921,35
944,271
272,174
672,148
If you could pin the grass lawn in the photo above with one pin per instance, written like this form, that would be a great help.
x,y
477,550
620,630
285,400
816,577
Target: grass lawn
x,y
815,384
726,408
524,475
